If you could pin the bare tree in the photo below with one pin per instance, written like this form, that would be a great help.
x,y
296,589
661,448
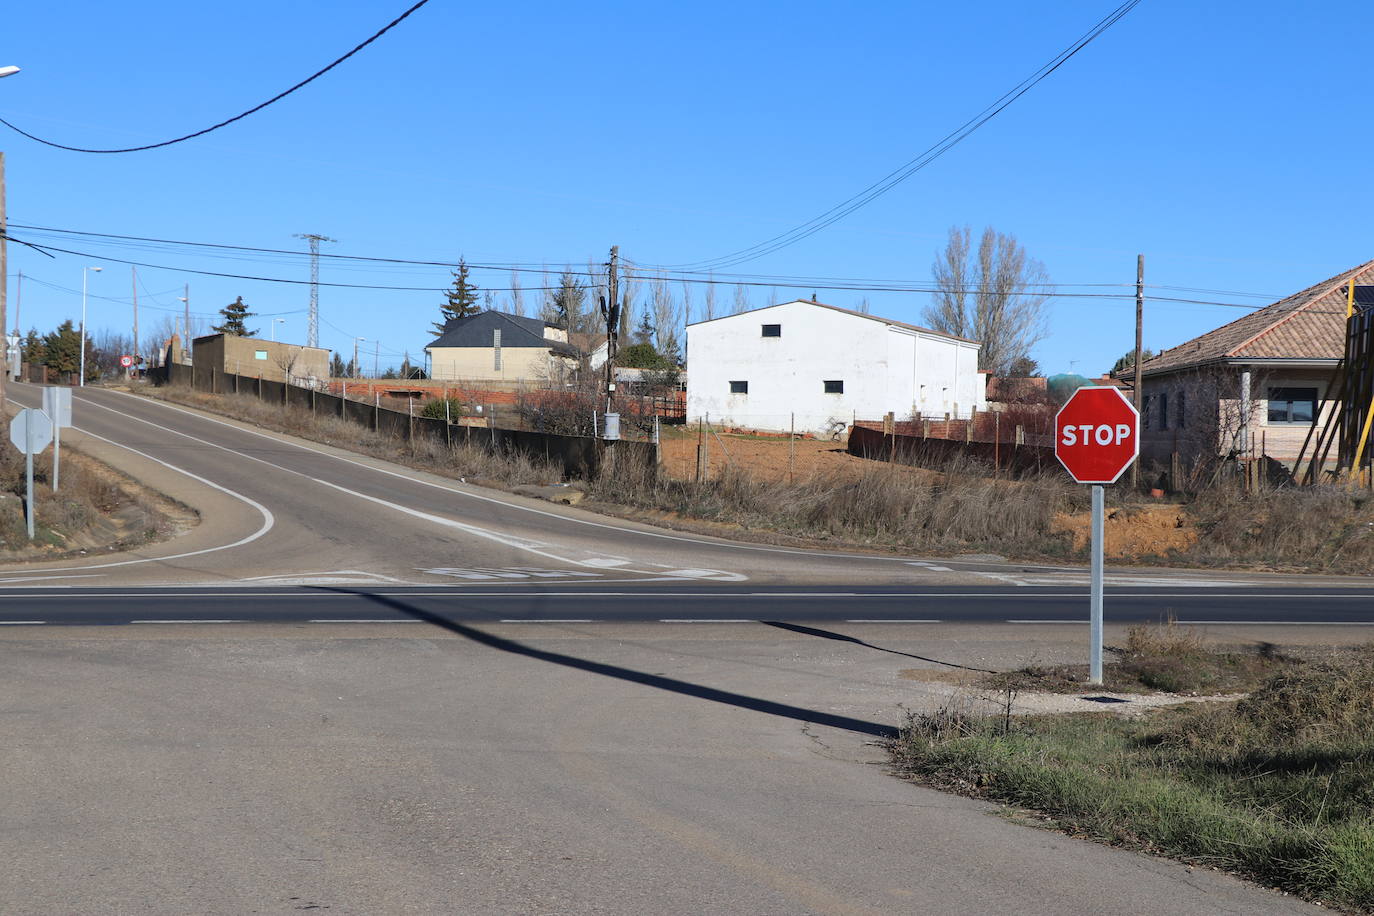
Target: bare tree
x,y
686,301
628,288
863,306
517,296
741,299
994,295
708,308
666,314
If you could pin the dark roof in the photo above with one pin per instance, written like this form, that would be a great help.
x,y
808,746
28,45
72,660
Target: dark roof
x,y
856,314
516,331
1308,325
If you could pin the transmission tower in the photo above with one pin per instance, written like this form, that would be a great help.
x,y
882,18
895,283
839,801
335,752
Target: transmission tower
x,y
312,334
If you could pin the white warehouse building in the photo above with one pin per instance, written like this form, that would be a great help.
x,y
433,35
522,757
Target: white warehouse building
x,y
820,365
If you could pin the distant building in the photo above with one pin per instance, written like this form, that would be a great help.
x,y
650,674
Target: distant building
x,y
497,346
272,360
818,365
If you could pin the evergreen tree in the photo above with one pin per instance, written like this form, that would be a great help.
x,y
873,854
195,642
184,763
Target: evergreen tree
x,y
644,334
235,313
569,302
34,351
461,298
337,369
62,348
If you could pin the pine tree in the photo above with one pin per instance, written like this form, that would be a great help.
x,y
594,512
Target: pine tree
x,y
461,298
644,334
34,351
63,348
235,313
337,369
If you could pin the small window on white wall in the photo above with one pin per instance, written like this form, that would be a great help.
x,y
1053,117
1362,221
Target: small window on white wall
x,y
739,387
834,386
772,330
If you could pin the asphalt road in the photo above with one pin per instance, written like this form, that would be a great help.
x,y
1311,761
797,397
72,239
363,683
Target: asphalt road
x,y
366,689
565,603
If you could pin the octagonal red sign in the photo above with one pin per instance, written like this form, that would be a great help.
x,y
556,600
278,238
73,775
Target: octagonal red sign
x,y
1097,435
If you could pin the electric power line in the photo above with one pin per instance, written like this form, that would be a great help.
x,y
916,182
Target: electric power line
x,y
901,174
238,117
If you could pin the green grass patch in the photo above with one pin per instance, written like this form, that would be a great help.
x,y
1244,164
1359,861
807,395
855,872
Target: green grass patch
x,y
1278,786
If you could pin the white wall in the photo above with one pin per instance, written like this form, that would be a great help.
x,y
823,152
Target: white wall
x,y
883,368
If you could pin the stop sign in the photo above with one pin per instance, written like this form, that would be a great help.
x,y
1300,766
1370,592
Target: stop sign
x,y
1097,435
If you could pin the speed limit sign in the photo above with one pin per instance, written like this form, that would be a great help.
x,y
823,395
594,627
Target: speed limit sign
x,y
126,361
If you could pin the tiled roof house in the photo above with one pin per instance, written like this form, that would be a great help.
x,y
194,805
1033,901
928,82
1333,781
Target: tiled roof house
x,y
1252,385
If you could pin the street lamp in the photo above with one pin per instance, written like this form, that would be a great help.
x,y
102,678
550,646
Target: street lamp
x,y
275,322
85,273
356,373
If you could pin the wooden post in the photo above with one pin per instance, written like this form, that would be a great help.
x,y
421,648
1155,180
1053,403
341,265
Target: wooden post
x,y
1139,333
997,441
791,450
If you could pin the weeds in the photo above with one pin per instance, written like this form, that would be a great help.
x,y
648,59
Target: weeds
x,y
1277,786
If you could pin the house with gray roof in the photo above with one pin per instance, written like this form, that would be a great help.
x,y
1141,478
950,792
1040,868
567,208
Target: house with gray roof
x,y
497,346
1251,387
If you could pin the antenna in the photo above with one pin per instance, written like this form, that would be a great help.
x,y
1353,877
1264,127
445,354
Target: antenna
x,y
312,334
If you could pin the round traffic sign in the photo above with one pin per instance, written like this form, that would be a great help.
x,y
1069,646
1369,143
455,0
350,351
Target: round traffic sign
x,y
1097,435
126,361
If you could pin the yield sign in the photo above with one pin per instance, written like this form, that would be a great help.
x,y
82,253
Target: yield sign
x,y
1097,435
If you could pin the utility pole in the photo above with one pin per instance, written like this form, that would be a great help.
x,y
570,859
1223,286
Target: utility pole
x,y
1138,395
376,356
133,272
312,331
186,325
18,301
610,312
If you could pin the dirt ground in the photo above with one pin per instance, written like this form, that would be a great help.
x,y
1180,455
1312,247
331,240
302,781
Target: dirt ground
x,y
767,457
1131,532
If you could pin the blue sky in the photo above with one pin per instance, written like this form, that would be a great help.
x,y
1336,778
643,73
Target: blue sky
x,y
1225,141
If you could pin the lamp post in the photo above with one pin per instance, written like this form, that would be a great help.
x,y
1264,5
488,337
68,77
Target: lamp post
x,y
4,265
275,322
85,274
356,372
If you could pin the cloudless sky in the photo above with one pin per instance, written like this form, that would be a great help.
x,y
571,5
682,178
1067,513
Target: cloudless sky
x,y
1228,142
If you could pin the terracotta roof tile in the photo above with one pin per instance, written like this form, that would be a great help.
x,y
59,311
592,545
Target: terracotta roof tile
x,y
1306,325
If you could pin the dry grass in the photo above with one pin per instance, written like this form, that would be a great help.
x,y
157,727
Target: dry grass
x,y
1325,528
958,511
1276,786
96,508
462,461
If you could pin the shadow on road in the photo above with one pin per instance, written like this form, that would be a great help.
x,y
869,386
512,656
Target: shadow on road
x,y
840,637
699,691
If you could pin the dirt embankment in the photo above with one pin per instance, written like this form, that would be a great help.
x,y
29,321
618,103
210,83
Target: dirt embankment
x,y
96,510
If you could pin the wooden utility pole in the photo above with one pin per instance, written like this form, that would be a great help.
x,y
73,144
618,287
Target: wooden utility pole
x,y
1137,396
610,311
133,273
186,326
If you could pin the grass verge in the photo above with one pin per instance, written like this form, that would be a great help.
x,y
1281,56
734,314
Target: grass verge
x,y
1278,786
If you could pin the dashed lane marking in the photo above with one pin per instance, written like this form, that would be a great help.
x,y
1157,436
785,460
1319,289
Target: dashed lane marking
x,y
550,620
187,621
21,623
860,620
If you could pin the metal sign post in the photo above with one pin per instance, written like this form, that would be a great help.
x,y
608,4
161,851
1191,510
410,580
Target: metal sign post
x,y
1096,438
30,432
57,404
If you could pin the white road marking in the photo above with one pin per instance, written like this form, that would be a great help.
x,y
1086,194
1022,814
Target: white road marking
x,y
1084,620
366,620
21,623
47,578
535,547
551,620
268,520
186,621
705,620
861,620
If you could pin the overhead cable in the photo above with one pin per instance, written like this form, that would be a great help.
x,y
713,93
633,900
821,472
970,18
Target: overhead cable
x,y
238,117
